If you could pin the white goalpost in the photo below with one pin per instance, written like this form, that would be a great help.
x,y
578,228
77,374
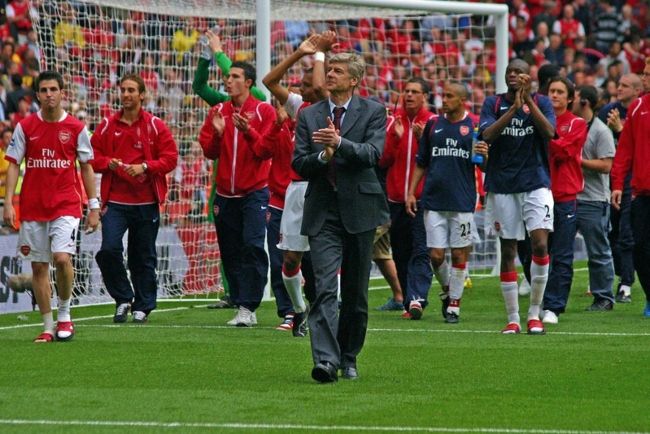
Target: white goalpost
x,y
94,42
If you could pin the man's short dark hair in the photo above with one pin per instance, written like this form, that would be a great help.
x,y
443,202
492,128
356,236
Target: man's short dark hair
x,y
544,75
570,87
49,75
424,86
249,70
137,79
588,94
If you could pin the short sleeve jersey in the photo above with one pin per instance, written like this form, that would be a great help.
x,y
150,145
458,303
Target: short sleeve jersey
x,y
445,151
518,158
51,187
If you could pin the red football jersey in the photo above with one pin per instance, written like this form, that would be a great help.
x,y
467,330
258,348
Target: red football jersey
x,y
51,187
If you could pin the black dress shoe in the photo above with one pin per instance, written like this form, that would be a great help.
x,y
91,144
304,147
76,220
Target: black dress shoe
x,y
349,373
602,305
324,372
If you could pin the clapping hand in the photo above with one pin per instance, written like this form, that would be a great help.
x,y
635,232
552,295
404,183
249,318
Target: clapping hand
x,y
241,122
418,129
218,123
398,127
614,121
329,136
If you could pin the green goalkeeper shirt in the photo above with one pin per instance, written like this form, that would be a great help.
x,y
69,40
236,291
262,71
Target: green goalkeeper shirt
x,y
209,94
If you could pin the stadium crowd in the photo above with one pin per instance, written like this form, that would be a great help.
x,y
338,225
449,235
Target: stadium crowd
x,y
429,73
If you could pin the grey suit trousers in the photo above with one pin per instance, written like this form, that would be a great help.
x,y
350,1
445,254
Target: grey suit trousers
x,y
338,337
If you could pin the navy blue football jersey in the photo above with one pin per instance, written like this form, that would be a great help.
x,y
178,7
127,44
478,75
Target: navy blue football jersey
x,y
518,158
445,150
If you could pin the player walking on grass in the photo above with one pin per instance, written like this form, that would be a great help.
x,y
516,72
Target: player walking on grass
x,y
633,155
407,233
444,155
565,155
51,141
296,262
235,132
213,50
134,151
518,125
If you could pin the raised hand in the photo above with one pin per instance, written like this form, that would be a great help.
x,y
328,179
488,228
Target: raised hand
x,y
398,127
214,41
309,45
326,41
218,123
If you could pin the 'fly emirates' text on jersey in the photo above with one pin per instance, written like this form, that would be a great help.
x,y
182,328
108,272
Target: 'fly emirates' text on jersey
x,y
446,150
518,158
51,187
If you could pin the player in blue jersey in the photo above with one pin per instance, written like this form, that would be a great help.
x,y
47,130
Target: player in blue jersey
x,y
444,155
518,126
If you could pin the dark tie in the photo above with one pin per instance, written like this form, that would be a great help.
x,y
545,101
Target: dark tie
x,y
338,115
331,166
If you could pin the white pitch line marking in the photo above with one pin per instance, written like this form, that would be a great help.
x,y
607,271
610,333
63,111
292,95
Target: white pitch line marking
x,y
90,318
267,426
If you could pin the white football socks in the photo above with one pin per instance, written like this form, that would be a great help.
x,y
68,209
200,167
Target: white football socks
x,y
63,311
538,277
293,284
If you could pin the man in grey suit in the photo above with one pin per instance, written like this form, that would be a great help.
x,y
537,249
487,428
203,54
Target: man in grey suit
x,y
338,143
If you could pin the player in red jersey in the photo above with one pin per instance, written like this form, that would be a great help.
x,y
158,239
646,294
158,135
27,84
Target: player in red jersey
x,y
51,141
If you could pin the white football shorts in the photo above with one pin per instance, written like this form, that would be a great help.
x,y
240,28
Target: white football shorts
x,y
512,214
38,240
294,203
449,229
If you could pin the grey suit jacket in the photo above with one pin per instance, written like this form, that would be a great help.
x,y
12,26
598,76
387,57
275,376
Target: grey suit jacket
x,y
361,200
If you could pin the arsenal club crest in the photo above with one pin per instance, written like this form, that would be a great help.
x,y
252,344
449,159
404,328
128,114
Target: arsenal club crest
x,y
464,130
24,250
64,136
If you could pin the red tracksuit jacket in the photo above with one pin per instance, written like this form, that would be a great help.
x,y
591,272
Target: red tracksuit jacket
x,y
633,150
244,158
565,157
399,156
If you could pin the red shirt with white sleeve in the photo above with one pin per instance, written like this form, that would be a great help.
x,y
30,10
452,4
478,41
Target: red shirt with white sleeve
x,y
51,187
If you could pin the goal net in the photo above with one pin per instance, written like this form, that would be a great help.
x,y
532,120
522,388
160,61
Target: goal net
x,y
93,43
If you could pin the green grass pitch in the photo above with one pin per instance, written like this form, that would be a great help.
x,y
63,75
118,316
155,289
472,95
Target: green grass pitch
x,y
186,371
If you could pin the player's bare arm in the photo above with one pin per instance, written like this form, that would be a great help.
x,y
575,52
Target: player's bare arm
x,y
9,214
88,179
272,79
